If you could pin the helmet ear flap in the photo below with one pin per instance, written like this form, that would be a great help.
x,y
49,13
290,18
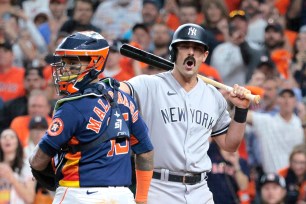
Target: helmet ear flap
x,y
172,56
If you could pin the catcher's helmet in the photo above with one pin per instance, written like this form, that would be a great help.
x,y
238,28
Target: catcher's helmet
x,y
87,45
188,33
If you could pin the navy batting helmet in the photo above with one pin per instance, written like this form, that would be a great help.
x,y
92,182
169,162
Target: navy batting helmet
x,y
80,45
188,33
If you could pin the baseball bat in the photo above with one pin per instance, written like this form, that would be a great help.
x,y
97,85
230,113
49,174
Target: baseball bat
x,y
156,61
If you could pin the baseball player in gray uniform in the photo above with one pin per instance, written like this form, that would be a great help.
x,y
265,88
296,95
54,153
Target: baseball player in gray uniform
x,y
182,113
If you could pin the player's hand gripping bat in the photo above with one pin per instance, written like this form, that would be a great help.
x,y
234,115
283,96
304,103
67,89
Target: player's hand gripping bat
x,y
156,61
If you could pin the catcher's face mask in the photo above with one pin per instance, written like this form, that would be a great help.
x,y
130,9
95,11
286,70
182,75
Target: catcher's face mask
x,y
83,57
68,72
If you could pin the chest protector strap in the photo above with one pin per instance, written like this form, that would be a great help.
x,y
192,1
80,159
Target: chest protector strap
x,y
117,127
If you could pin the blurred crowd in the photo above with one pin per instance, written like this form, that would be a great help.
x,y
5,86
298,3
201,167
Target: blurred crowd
x,y
260,44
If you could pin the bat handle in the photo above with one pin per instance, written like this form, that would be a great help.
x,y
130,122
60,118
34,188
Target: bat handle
x,y
254,98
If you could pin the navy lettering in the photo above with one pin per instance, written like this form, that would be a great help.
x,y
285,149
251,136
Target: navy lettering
x,y
176,114
172,114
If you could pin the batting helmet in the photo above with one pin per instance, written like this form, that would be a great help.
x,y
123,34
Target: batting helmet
x,y
188,33
82,46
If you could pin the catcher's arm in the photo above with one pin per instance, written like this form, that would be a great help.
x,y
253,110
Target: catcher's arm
x,y
144,172
39,160
42,169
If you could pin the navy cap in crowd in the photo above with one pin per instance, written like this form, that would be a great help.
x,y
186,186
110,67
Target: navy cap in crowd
x,y
274,26
265,60
38,122
272,178
289,91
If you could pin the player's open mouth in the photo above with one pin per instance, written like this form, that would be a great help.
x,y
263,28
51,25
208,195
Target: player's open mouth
x,y
189,62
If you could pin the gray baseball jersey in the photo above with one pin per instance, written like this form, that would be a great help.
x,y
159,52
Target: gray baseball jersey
x,y
180,122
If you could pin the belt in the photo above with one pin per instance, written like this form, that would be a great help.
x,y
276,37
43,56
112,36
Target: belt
x,y
191,180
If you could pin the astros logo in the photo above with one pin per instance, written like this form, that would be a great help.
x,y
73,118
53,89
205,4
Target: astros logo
x,y
56,127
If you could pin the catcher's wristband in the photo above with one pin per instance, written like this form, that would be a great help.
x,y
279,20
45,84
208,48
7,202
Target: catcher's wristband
x,y
240,115
143,179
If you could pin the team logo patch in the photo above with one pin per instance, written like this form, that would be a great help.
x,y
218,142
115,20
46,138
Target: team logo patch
x,y
56,127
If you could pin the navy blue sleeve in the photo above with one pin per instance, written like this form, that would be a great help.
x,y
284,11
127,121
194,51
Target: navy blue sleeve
x,y
64,125
140,131
140,139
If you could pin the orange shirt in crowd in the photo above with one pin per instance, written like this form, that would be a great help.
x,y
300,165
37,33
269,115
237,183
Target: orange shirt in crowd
x,y
20,125
126,63
173,22
255,90
302,192
242,150
210,72
282,58
283,172
291,36
232,5
11,83
47,72
282,6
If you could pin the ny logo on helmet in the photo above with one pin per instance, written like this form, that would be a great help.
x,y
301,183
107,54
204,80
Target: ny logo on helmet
x,y
192,31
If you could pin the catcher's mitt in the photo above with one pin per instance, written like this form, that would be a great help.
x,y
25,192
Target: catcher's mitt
x,y
46,177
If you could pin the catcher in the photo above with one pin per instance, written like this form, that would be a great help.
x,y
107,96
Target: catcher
x,y
85,153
